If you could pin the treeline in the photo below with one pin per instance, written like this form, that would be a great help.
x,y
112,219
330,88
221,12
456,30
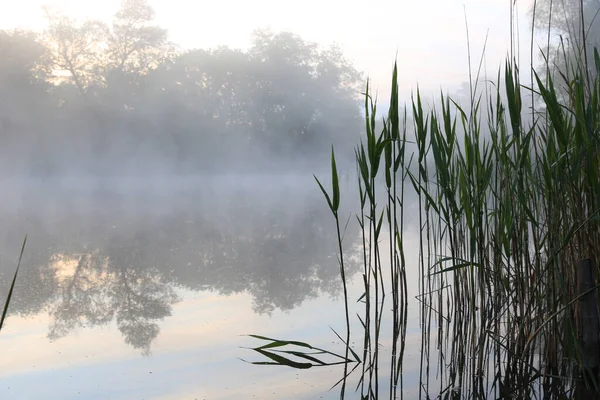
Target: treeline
x,y
84,97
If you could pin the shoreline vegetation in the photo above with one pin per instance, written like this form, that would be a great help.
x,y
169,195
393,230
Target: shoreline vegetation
x,y
509,241
504,220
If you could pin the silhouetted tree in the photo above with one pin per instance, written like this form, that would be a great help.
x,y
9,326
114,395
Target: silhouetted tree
x,y
135,45
76,50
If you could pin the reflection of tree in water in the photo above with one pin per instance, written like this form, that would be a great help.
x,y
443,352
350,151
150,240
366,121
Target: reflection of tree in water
x,y
280,251
280,255
143,301
95,294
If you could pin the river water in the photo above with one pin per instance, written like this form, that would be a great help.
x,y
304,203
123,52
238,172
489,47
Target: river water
x,y
147,288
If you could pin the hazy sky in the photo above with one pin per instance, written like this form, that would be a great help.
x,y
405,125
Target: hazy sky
x,y
428,35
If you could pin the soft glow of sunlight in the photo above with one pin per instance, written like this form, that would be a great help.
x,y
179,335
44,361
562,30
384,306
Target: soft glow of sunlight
x,y
64,266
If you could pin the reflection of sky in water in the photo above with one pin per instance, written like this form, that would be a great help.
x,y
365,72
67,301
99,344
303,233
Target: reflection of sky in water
x,y
250,264
195,356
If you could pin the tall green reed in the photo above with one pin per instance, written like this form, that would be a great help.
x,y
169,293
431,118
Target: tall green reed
x,y
505,213
334,203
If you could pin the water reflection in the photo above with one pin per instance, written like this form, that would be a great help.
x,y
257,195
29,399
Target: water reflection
x,y
95,293
115,255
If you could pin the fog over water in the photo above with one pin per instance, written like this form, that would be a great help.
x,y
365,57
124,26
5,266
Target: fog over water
x,y
107,272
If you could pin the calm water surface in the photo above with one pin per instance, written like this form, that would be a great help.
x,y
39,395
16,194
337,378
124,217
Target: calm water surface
x,y
145,288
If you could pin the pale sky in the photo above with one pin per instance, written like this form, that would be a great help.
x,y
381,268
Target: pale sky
x,y
429,36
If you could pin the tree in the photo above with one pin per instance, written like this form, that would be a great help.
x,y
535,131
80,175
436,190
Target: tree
x,y
284,100
90,53
135,45
134,48
25,98
307,97
22,58
23,69
76,50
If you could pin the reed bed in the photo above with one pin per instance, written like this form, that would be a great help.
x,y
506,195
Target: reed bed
x,y
507,208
